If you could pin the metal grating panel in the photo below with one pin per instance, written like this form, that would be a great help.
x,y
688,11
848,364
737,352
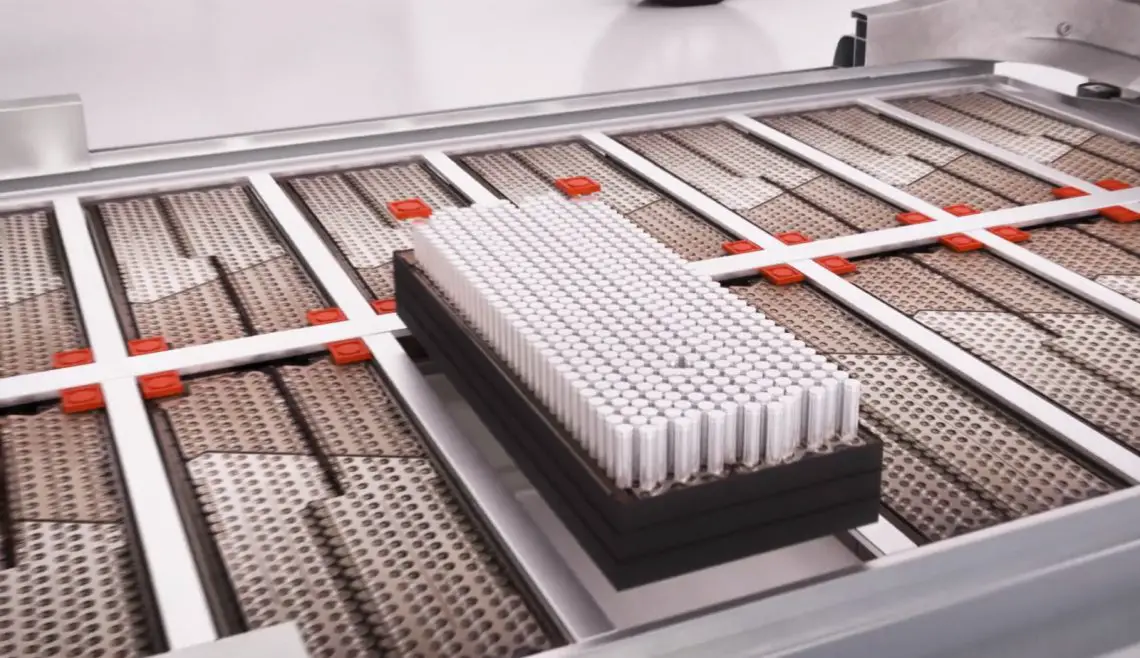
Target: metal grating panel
x,y
573,159
743,155
1036,147
1088,166
379,280
191,317
275,295
223,222
677,229
885,135
328,397
233,412
735,192
366,239
1001,282
857,208
27,262
413,558
1021,349
943,189
1125,236
1015,117
508,175
1110,148
402,181
1098,343
1082,253
790,213
1129,286
1000,179
33,329
57,468
909,287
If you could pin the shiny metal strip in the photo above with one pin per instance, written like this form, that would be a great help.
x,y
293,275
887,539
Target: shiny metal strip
x,y
1015,396
450,170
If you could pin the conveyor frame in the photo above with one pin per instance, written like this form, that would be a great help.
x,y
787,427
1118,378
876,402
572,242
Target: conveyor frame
x,y
258,161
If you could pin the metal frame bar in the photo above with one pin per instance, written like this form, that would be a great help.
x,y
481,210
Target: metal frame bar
x,y
1013,394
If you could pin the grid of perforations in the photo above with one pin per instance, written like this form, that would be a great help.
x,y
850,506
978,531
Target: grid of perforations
x,y
70,587
194,264
37,317
952,461
326,512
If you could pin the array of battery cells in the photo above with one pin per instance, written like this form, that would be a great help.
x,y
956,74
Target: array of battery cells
x,y
352,208
201,266
527,172
69,583
1099,249
320,506
660,375
37,314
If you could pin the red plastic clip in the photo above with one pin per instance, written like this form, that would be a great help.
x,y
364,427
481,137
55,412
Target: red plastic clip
x,y
147,345
81,398
1120,214
319,316
384,306
910,218
1112,184
578,186
782,275
348,351
1068,192
409,209
837,264
792,237
961,210
740,247
161,385
960,242
69,358
1011,233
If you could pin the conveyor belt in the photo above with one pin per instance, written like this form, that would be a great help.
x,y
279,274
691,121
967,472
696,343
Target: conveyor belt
x,y
69,577
532,171
324,509
1068,148
352,209
37,314
201,266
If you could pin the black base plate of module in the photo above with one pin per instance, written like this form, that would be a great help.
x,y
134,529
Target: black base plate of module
x,y
636,540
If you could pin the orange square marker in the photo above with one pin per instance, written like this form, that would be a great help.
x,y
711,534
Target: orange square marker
x,y
319,316
577,186
348,351
910,218
961,210
740,247
1120,214
1112,184
792,237
782,275
837,264
69,358
81,398
147,345
409,209
1011,233
960,242
384,306
1068,192
161,385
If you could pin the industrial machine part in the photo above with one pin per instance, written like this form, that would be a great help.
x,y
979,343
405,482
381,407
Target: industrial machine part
x,y
207,409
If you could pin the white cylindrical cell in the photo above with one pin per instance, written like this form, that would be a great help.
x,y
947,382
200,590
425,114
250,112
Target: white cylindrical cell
x,y
752,434
649,441
684,431
693,458
733,423
850,425
622,457
716,435
833,394
776,433
817,417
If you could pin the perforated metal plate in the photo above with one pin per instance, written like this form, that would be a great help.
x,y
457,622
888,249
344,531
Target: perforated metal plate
x,y
174,251
902,156
1128,286
1018,324
37,316
1083,253
952,462
859,209
352,207
674,226
72,588
1035,146
1014,117
1125,236
1089,166
743,156
412,556
391,567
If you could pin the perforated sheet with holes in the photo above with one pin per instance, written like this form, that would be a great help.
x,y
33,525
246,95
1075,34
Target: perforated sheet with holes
x,y
1014,117
37,316
906,285
789,213
1082,253
71,588
1129,286
391,567
574,159
742,155
1125,236
1091,167
1037,147
679,230
952,462
1004,284
174,251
